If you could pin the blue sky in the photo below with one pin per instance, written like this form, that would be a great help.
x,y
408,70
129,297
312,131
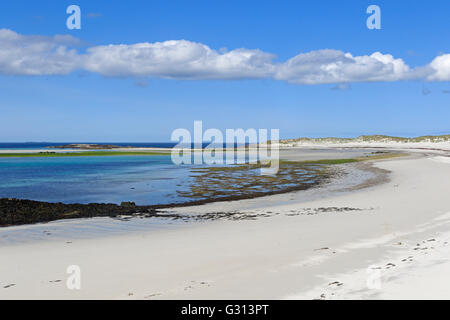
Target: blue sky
x,y
93,104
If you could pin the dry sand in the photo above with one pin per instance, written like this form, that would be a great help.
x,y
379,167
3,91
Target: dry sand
x,y
387,240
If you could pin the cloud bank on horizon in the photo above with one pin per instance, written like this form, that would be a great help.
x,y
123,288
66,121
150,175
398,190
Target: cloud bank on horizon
x,y
34,55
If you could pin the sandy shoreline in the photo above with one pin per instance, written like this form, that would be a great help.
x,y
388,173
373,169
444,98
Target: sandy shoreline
x,y
297,247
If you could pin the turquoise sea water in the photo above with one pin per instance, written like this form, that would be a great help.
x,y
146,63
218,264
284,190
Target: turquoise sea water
x,y
142,179
145,180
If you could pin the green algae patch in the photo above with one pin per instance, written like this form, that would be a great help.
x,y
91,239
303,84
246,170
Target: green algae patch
x,y
381,155
246,181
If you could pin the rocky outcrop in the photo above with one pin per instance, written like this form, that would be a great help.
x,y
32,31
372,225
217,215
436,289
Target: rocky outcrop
x,y
18,212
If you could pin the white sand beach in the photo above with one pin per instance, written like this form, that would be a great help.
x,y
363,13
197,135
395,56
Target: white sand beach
x,y
385,239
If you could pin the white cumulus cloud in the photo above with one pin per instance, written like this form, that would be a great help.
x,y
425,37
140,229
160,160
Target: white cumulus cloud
x,y
177,59
36,55
186,60
440,67
333,66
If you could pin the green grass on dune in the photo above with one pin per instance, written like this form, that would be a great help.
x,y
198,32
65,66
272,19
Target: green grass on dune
x,y
371,138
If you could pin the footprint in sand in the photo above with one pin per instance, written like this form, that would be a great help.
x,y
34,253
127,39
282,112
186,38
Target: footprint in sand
x,y
390,265
323,296
153,295
336,283
55,281
409,259
194,284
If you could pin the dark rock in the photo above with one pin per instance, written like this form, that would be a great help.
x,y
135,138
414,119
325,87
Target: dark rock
x,y
18,212
128,204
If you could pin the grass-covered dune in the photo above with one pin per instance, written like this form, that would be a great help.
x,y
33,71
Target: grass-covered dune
x,y
371,138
